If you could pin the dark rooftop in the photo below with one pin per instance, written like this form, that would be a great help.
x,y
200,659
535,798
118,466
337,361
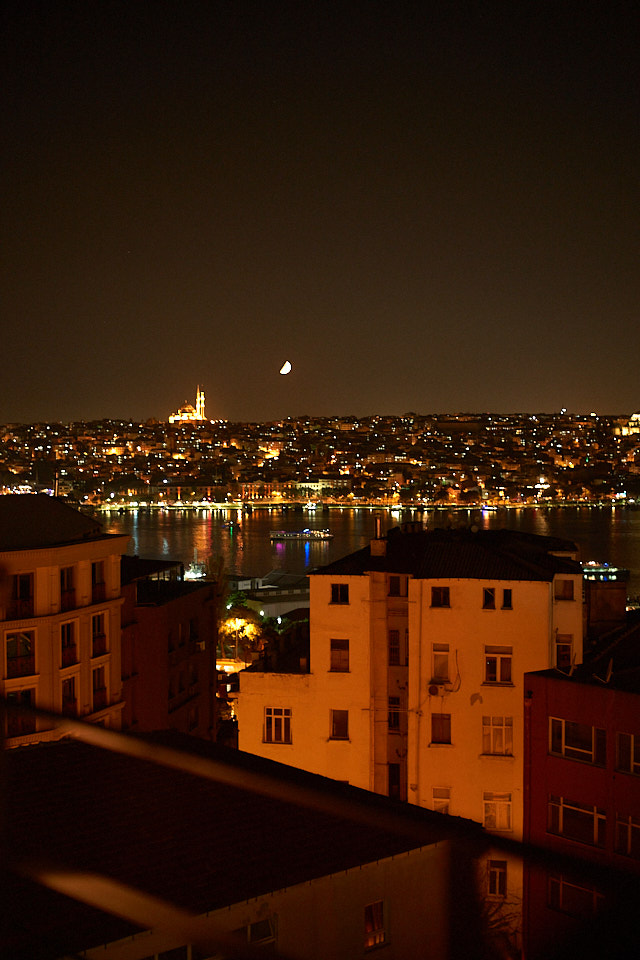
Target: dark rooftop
x,y
31,521
462,554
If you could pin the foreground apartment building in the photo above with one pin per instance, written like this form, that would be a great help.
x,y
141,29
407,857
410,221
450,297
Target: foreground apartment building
x,y
60,605
419,644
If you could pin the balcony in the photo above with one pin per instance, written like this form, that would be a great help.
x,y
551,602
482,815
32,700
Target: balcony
x,y
21,666
98,592
68,600
100,698
69,655
20,609
98,645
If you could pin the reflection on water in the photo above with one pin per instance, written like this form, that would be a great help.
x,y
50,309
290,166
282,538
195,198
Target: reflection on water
x,y
604,534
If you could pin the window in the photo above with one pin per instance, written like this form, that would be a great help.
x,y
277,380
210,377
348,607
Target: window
x,y
19,725
98,587
98,635
67,589
576,821
439,596
260,932
628,836
277,725
440,799
564,650
393,785
497,878
394,714
69,703
339,593
440,728
572,898
497,664
397,586
497,736
394,648
22,596
339,724
374,924
21,660
488,598
99,687
339,656
497,811
68,643
440,662
577,741
628,753
563,590
506,599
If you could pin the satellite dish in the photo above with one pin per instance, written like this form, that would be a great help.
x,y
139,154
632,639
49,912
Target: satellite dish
x,y
286,367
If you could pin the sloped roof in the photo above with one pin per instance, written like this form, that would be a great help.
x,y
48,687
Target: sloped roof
x,y
198,843
462,554
33,520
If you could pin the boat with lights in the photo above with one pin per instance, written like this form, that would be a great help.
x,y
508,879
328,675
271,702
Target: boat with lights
x,y
306,534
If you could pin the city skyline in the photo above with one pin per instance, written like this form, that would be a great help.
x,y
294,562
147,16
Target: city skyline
x,y
420,210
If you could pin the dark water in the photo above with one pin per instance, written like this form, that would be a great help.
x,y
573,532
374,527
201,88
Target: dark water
x,y
603,534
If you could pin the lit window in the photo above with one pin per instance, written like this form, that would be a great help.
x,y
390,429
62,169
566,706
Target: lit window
x,y
628,753
576,821
497,878
497,811
439,596
577,741
440,728
374,924
277,725
339,724
339,656
498,664
497,736
488,598
339,593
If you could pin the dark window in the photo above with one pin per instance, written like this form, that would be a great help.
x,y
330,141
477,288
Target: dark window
x,y
339,656
628,836
497,878
563,590
488,598
68,643
339,724
69,703
394,586
497,664
277,725
339,593
67,589
394,781
394,713
628,753
577,741
19,725
440,728
506,599
439,596
22,604
567,897
98,587
21,660
576,821
394,648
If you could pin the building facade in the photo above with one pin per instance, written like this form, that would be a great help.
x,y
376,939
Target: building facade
x,y
60,605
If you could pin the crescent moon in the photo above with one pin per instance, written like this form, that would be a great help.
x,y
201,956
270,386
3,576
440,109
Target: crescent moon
x,y
286,367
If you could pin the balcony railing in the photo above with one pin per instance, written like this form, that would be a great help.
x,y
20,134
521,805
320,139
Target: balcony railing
x,y
68,600
20,609
98,645
21,666
99,698
98,592
20,726
69,655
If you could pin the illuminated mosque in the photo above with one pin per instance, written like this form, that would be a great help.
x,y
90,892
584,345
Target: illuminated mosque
x,y
189,413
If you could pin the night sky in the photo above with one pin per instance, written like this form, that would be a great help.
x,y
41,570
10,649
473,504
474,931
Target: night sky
x,y
425,207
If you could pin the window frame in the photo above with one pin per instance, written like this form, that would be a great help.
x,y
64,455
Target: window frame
x,y
440,728
393,648
440,597
627,836
439,658
393,718
507,598
559,731
633,767
338,720
496,879
563,589
503,655
488,598
562,812
338,655
502,815
374,925
339,594
441,799
277,720
491,732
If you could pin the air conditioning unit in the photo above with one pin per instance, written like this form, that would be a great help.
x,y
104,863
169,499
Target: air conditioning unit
x,y
436,689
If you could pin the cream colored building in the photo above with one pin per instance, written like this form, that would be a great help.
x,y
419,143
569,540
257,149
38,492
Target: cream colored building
x,y
419,644
59,616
